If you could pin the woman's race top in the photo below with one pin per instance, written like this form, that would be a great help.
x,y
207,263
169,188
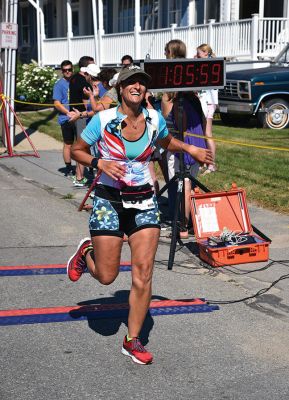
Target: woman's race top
x,y
104,131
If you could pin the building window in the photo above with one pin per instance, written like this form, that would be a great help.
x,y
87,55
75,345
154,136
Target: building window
x,y
25,26
213,10
75,22
126,15
49,11
75,17
248,7
149,14
273,9
174,12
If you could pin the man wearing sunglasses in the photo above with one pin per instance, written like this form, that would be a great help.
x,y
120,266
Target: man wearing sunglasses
x,y
78,101
61,103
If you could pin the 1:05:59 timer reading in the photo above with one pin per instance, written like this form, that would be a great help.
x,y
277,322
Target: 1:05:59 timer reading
x,y
173,74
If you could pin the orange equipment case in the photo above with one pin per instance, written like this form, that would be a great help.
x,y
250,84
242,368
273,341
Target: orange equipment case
x,y
215,211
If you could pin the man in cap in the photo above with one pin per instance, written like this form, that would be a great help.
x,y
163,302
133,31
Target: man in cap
x,y
78,101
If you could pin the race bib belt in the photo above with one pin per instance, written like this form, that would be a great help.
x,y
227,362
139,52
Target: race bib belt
x,y
139,197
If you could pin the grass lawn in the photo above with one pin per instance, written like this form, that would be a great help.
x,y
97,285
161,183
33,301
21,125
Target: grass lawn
x,y
44,121
263,173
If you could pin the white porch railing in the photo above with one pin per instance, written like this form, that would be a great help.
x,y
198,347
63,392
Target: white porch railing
x,y
273,35
232,39
245,39
114,46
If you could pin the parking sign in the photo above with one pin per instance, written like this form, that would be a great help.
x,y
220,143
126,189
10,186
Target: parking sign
x,y
9,35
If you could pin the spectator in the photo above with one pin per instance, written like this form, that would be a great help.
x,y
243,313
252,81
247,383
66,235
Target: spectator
x,y
110,96
126,61
209,101
78,102
192,124
61,103
105,76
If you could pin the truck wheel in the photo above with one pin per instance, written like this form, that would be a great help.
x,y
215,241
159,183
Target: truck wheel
x,y
234,119
274,118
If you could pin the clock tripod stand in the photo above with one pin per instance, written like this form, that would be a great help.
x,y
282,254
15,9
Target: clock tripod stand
x,y
183,75
179,178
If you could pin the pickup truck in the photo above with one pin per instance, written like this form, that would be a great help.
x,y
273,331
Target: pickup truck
x,y
261,92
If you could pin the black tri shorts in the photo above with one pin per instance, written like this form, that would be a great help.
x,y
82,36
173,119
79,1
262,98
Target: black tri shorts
x,y
110,218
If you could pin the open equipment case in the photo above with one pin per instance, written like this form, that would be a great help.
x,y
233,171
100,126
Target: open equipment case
x,y
213,214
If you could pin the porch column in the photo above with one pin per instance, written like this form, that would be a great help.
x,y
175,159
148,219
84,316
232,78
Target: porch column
x,y
191,12
38,33
210,33
261,8
42,30
69,29
254,36
235,10
225,10
96,49
173,27
100,31
286,9
137,29
286,15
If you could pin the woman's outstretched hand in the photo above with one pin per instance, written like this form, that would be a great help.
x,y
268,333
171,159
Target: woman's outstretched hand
x,y
112,169
203,156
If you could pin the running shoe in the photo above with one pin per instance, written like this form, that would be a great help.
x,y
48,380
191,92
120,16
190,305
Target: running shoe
x,y
136,351
79,183
76,265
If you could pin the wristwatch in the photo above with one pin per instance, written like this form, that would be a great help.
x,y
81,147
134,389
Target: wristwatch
x,y
94,162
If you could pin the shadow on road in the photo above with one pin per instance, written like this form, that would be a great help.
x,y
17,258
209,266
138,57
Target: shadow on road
x,y
110,326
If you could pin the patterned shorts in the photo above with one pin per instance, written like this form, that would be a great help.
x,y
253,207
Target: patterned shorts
x,y
109,218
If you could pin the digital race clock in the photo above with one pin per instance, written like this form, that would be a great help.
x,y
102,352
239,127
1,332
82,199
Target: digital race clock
x,y
183,74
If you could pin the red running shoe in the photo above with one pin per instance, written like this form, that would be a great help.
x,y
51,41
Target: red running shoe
x,y
76,264
136,351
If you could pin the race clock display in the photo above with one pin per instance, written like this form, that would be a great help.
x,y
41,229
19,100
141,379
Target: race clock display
x,y
185,74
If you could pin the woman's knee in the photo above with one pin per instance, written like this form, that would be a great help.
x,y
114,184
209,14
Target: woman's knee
x,y
105,276
106,279
142,277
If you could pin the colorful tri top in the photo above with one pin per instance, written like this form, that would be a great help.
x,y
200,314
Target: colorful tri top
x,y
104,130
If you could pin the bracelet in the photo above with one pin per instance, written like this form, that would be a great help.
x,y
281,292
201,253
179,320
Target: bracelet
x,y
94,162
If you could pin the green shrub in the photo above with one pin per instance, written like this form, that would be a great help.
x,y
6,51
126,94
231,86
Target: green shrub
x,y
35,84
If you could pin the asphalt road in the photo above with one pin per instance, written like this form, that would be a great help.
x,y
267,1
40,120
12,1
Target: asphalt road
x,y
236,352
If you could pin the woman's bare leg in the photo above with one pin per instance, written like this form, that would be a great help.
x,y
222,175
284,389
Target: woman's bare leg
x,y
209,134
106,254
143,246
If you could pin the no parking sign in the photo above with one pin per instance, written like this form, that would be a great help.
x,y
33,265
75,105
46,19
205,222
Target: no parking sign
x,y
9,35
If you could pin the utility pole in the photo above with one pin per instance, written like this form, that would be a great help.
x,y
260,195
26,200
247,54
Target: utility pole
x,y
9,42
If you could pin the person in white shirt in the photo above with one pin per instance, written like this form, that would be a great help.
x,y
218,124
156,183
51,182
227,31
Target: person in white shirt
x,y
209,101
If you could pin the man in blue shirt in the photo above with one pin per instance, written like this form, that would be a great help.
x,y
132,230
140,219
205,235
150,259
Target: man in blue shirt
x,y
61,103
